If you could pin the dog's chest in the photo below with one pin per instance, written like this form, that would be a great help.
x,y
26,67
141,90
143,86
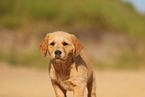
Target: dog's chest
x,y
62,78
68,80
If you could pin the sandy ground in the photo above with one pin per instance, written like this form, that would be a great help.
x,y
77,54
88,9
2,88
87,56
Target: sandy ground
x,y
27,82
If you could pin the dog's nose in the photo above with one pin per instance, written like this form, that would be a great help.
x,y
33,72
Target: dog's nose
x,y
58,52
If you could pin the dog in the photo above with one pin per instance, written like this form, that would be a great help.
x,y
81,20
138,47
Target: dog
x,y
69,67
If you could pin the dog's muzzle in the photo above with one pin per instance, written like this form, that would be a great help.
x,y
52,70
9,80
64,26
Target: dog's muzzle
x,y
57,54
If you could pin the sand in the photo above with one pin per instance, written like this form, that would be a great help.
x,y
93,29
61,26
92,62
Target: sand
x,y
29,82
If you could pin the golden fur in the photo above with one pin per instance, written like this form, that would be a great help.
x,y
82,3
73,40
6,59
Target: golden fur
x,y
71,69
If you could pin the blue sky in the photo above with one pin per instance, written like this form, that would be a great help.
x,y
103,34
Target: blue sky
x,y
139,5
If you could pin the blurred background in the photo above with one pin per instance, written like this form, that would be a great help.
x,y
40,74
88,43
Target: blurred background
x,y
112,32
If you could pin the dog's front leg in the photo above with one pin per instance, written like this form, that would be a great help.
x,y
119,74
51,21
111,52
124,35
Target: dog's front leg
x,y
79,90
60,92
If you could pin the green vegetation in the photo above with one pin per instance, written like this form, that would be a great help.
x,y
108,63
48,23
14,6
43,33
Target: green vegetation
x,y
125,60
30,59
95,15
110,15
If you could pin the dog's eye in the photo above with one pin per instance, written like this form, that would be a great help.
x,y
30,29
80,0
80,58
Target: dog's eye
x,y
65,44
52,44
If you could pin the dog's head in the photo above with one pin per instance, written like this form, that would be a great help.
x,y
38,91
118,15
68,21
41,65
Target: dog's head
x,y
60,45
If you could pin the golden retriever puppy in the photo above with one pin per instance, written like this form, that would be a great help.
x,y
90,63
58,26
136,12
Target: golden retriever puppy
x,y
69,68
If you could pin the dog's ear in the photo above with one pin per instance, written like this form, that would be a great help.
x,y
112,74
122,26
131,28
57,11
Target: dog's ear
x,y
77,46
44,45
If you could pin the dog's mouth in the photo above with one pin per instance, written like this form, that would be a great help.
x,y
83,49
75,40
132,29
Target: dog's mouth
x,y
58,58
